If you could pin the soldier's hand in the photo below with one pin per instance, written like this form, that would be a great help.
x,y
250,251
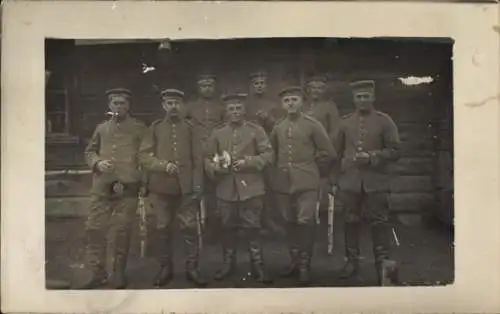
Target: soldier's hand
x,y
143,191
239,164
219,169
333,190
105,165
362,158
171,168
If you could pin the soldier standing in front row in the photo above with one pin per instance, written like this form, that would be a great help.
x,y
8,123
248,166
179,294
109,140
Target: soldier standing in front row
x,y
240,185
206,113
301,147
117,179
367,142
175,185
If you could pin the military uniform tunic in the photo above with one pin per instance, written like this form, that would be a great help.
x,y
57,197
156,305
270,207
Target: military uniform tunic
x,y
327,113
273,111
301,148
376,134
247,185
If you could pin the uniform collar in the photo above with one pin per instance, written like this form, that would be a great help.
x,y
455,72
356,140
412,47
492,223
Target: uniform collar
x,y
297,118
170,120
122,121
237,126
369,114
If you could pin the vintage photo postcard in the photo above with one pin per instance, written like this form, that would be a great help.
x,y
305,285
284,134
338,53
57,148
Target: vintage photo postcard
x,y
250,157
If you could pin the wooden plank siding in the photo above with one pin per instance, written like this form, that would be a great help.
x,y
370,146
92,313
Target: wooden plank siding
x,y
419,111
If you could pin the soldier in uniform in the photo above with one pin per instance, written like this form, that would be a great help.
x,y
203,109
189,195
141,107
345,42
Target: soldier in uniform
x,y
318,106
325,111
262,110
240,185
303,150
175,184
117,180
206,113
367,142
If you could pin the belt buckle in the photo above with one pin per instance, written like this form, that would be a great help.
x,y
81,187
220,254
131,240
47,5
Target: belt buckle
x,y
118,188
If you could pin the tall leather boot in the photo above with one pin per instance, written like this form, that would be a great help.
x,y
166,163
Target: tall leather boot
x,y
228,255
351,266
122,246
294,252
166,272
95,260
193,275
386,269
306,233
256,258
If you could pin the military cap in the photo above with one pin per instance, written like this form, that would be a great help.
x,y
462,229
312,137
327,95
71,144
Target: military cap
x,y
365,85
118,92
206,77
291,90
258,74
316,78
172,93
234,98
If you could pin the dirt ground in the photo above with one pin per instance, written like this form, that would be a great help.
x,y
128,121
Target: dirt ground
x,y
425,256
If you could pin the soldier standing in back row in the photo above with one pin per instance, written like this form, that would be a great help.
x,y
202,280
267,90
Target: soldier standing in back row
x,y
367,142
261,110
240,184
175,185
112,156
302,148
206,113
326,112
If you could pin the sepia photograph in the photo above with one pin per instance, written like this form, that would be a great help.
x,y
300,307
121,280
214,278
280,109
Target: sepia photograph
x,y
276,162
253,157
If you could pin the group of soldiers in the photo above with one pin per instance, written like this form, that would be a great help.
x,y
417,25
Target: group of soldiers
x,y
246,156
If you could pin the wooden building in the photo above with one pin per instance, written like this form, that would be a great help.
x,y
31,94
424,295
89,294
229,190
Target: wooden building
x,y
83,70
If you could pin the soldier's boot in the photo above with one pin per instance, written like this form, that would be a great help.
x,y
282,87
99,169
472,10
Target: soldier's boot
x,y
229,266
122,244
228,255
292,269
351,266
257,259
191,251
306,233
304,277
95,257
387,270
166,272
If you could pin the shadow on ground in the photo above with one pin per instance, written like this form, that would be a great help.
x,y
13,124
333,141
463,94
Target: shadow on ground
x,y
425,257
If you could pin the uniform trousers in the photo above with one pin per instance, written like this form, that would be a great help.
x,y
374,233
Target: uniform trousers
x,y
372,206
169,209
245,216
106,211
299,213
